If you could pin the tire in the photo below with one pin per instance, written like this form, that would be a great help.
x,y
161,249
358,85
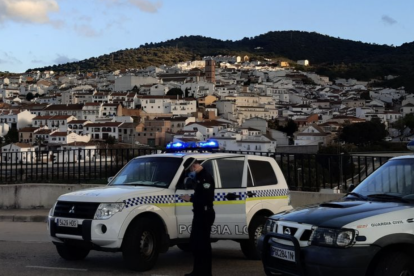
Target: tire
x,y
72,253
249,247
395,263
140,247
186,247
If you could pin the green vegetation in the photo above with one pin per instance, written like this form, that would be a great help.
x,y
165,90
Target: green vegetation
x,y
363,134
30,96
12,136
402,123
329,56
175,91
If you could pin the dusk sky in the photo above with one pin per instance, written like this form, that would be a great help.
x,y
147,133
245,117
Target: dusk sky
x,y
36,33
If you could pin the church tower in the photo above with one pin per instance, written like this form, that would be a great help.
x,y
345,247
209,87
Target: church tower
x,y
210,70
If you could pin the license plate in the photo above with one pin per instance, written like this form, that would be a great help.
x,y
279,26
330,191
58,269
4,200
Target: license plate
x,y
283,254
67,223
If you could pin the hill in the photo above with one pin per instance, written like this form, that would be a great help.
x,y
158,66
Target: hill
x,y
330,56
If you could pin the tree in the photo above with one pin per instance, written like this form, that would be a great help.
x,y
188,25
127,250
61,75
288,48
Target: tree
x,y
12,136
30,96
362,134
110,140
365,95
402,123
290,128
175,91
273,124
135,89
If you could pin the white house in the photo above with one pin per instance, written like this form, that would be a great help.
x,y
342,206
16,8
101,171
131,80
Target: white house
x,y
127,82
312,135
304,62
64,109
77,126
102,131
18,153
76,152
16,118
92,111
407,109
244,139
158,90
55,122
207,129
59,137
168,104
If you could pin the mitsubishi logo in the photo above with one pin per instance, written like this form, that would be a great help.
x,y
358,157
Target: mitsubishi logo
x,y
287,231
72,211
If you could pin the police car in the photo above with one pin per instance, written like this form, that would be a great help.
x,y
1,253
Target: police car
x,y
140,212
368,232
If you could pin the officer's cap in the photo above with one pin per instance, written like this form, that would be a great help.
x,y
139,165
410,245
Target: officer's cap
x,y
190,161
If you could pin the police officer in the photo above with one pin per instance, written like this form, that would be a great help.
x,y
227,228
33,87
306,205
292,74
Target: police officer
x,y
203,219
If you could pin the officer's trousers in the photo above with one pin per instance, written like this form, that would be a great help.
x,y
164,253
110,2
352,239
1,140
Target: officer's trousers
x,y
200,242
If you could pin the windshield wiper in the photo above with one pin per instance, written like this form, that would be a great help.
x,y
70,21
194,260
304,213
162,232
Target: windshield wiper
x,y
387,197
356,195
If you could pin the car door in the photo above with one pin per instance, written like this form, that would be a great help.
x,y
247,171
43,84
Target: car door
x,y
265,186
184,210
229,199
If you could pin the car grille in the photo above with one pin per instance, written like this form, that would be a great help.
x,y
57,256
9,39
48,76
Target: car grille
x,y
81,210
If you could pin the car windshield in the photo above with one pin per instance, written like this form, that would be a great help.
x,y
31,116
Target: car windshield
x,y
394,181
148,171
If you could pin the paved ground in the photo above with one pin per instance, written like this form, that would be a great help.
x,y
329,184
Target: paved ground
x,y
25,249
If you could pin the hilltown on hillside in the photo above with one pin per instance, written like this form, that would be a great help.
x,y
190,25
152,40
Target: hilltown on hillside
x,y
225,98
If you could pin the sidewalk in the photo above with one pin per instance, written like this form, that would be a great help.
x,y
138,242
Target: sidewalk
x,y
24,215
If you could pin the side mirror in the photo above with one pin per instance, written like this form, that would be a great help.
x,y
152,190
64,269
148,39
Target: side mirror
x,y
110,178
351,188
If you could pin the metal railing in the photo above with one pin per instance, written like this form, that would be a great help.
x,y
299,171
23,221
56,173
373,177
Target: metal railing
x,y
303,172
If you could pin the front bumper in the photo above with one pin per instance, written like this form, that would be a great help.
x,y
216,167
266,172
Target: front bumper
x,y
316,260
88,231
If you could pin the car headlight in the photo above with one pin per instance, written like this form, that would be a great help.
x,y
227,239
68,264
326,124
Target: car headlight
x,y
269,227
107,210
333,237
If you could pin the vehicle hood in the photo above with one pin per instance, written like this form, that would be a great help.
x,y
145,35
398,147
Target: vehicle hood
x,y
109,193
339,213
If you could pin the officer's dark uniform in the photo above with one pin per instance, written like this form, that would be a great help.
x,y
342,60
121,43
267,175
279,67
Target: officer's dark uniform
x,y
204,216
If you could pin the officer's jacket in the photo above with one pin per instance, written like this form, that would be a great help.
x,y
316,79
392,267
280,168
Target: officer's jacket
x,y
203,196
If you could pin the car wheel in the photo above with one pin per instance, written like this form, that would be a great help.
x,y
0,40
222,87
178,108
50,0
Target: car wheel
x,y
395,263
140,245
72,253
186,247
249,247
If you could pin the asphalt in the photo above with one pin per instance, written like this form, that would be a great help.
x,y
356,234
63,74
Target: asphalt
x,y
23,215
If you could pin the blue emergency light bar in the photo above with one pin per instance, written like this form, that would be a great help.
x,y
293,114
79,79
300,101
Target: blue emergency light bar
x,y
204,145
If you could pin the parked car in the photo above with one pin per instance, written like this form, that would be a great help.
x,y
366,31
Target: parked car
x,y
368,232
140,213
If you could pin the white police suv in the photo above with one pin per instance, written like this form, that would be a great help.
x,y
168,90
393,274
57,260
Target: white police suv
x,y
140,213
369,232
